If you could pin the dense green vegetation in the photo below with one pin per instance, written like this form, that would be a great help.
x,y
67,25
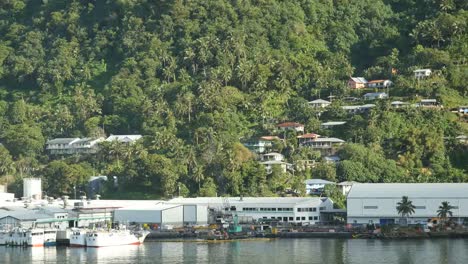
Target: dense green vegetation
x,y
198,78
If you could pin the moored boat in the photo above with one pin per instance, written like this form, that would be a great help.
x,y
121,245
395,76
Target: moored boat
x,y
4,234
50,237
78,237
102,238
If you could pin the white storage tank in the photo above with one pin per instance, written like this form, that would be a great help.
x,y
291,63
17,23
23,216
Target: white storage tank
x,y
32,188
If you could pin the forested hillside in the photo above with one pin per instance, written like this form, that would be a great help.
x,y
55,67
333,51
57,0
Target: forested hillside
x,y
198,78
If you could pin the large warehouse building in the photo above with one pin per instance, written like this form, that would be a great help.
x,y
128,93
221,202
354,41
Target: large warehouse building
x,y
284,209
377,203
163,214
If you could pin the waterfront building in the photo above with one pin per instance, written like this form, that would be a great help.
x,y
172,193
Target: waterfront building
x,y
377,202
345,186
283,209
163,214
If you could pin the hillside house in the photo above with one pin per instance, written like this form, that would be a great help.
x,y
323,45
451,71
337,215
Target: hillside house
x,y
70,146
332,124
319,103
128,139
422,73
357,82
379,84
269,165
316,186
357,109
305,137
272,156
374,96
429,103
399,104
326,146
262,144
291,126
58,146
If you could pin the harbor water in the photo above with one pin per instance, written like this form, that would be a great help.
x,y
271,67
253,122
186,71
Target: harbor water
x,y
330,251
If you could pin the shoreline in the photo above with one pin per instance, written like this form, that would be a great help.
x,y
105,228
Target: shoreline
x,y
177,237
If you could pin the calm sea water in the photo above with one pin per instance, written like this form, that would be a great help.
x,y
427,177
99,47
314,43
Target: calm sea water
x,y
321,251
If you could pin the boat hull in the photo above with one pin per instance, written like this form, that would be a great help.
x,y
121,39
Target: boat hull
x,y
114,238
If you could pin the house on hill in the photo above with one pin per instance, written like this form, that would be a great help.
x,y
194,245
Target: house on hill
x,y
70,146
326,146
357,82
58,146
316,186
128,139
262,144
332,124
319,103
374,96
422,73
291,126
379,84
303,138
399,104
429,103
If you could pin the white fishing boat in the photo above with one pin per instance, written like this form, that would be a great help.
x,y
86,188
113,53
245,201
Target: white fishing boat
x,y
78,237
34,237
4,234
103,238
26,237
50,237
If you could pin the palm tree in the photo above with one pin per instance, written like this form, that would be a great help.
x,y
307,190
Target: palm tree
x,y
445,211
405,208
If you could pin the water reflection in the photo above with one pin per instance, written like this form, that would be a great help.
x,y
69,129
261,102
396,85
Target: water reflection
x,y
334,251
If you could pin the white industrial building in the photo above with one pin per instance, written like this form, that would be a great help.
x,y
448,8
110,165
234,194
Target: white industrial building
x,y
377,203
284,209
163,214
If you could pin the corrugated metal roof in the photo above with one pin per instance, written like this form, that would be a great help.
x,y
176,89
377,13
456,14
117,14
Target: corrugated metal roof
x,y
318,181
308,135
123,138
333,140
334,123
257,201
61,140
290,124
319,101
412,190
359,79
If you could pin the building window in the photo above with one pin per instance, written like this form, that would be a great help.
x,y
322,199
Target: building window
x,y
291,218
298,218
303,218
454,207
311,218
315,217
420,207
322,208
371,207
